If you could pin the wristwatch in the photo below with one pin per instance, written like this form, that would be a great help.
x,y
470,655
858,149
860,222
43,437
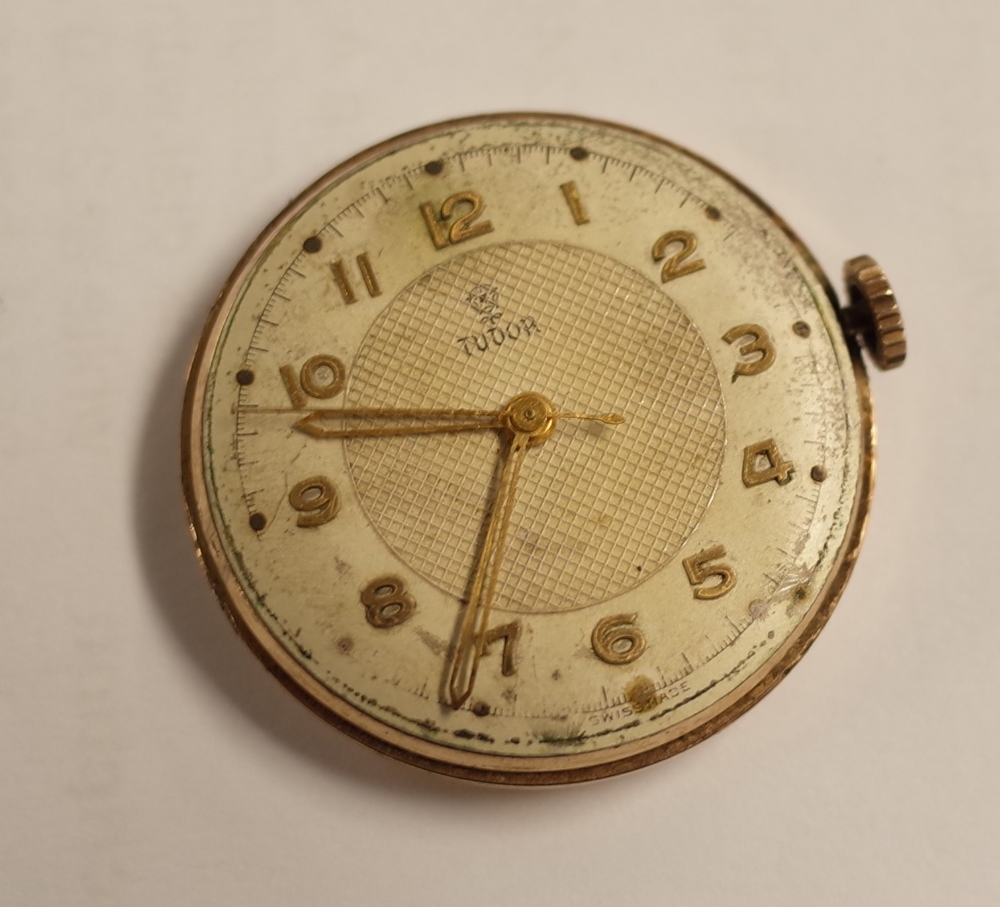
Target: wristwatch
x,y
529,448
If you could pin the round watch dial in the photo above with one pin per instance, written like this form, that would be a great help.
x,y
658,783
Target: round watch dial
x,y
527,448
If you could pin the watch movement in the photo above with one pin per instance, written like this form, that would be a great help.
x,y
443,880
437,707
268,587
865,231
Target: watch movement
x,y
530,448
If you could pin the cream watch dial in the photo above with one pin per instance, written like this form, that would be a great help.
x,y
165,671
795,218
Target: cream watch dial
x,y
527,448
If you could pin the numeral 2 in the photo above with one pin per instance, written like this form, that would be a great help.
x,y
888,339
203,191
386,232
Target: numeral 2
x,y
677,264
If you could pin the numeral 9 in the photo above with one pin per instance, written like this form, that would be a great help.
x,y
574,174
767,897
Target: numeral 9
x,y
316,500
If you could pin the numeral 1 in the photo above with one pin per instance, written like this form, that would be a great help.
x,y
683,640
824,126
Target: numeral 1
x,y
572,196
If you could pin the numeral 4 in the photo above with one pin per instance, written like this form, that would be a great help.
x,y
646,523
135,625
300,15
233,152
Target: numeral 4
x,y
762,463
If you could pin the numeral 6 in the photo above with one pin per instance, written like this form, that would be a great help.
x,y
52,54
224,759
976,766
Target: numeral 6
x,y
617,640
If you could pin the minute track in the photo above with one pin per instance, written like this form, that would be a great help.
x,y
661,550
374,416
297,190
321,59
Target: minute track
x,y
650,283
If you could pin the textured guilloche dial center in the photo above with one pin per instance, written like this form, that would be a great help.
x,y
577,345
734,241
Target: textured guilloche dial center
x,y
584,334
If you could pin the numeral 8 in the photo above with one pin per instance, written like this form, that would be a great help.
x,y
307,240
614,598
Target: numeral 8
x,y
387,603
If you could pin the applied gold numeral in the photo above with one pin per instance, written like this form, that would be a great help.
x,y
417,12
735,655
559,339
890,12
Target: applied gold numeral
x,y
387,603
700,569
510,634
572,195
321,377
344,282
444,231
762,463
759,342
617,640
677,264
316,500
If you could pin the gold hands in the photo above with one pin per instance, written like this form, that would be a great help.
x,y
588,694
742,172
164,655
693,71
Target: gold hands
x,y
336,423
475,622
527,420
606,418
530,419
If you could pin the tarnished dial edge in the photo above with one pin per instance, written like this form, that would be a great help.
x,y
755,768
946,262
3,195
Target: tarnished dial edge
x,y
500,769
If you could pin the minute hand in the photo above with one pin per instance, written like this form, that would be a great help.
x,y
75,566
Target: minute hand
x,y
475,622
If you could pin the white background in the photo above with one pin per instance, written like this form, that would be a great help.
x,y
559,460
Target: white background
x,y
147,759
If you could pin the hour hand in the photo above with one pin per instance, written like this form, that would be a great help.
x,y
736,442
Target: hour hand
x,y
381,423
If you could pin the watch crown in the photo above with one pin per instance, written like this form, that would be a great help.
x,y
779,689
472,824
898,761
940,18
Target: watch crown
x,y
873,312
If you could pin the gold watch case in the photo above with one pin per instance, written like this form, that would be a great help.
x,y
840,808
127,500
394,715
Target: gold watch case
x,y
529,448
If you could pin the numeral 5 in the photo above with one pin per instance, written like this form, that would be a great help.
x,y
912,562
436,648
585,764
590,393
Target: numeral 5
x,y
699,569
